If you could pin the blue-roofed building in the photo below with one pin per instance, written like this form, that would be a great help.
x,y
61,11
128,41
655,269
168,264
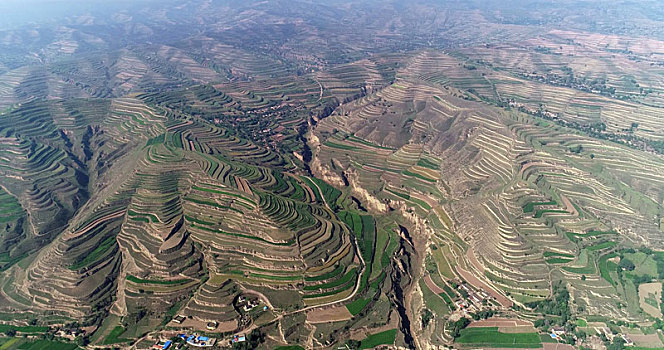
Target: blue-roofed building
x,y
200,341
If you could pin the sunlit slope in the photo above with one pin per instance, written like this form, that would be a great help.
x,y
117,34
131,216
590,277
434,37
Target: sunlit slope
x,y
185,210
529,201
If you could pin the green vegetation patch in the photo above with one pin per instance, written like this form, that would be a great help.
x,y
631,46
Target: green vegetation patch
x,y
358,305
47,345
448,300
330,193
575,237
382,338
339,269
606,266
490,336
558,261
540,212
558,255
275,278
156,140
340,146
4,328
425,163
95,254
530,207
405,196
114,336
339,282
142,216
601,246
419,176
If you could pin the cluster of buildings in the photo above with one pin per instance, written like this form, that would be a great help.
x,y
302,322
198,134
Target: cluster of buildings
x,y
165,345
194,340
474,299
198,340
69,334
248,304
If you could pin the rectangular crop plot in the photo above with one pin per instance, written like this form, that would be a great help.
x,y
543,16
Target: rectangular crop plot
x,y
382,338
491,337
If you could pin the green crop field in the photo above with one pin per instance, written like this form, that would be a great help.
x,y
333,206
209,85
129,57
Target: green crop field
x,y
490,336
114,336
530,207
382,338
356,306
47,345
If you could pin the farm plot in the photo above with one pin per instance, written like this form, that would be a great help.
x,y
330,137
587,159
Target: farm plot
x,y
492,337
650,296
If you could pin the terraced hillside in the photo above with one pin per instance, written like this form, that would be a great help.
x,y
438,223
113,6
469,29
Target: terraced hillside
x,y
503,200
122,212
349,174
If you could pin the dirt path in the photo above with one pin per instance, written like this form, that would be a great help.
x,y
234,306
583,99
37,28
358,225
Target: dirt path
x,y
568,206
321,194
320,96
470,254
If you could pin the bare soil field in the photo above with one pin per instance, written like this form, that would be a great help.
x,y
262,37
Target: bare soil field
x,y
517,329
650,289
557,346
647,340
501,322
332,314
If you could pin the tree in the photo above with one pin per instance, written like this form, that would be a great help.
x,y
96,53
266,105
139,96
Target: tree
x,y
626,264
557,305
353,344
457,326
427,316
82,340
618,344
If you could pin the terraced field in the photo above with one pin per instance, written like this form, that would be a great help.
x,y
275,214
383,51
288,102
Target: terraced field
x,y
161,205
508,200
332,175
